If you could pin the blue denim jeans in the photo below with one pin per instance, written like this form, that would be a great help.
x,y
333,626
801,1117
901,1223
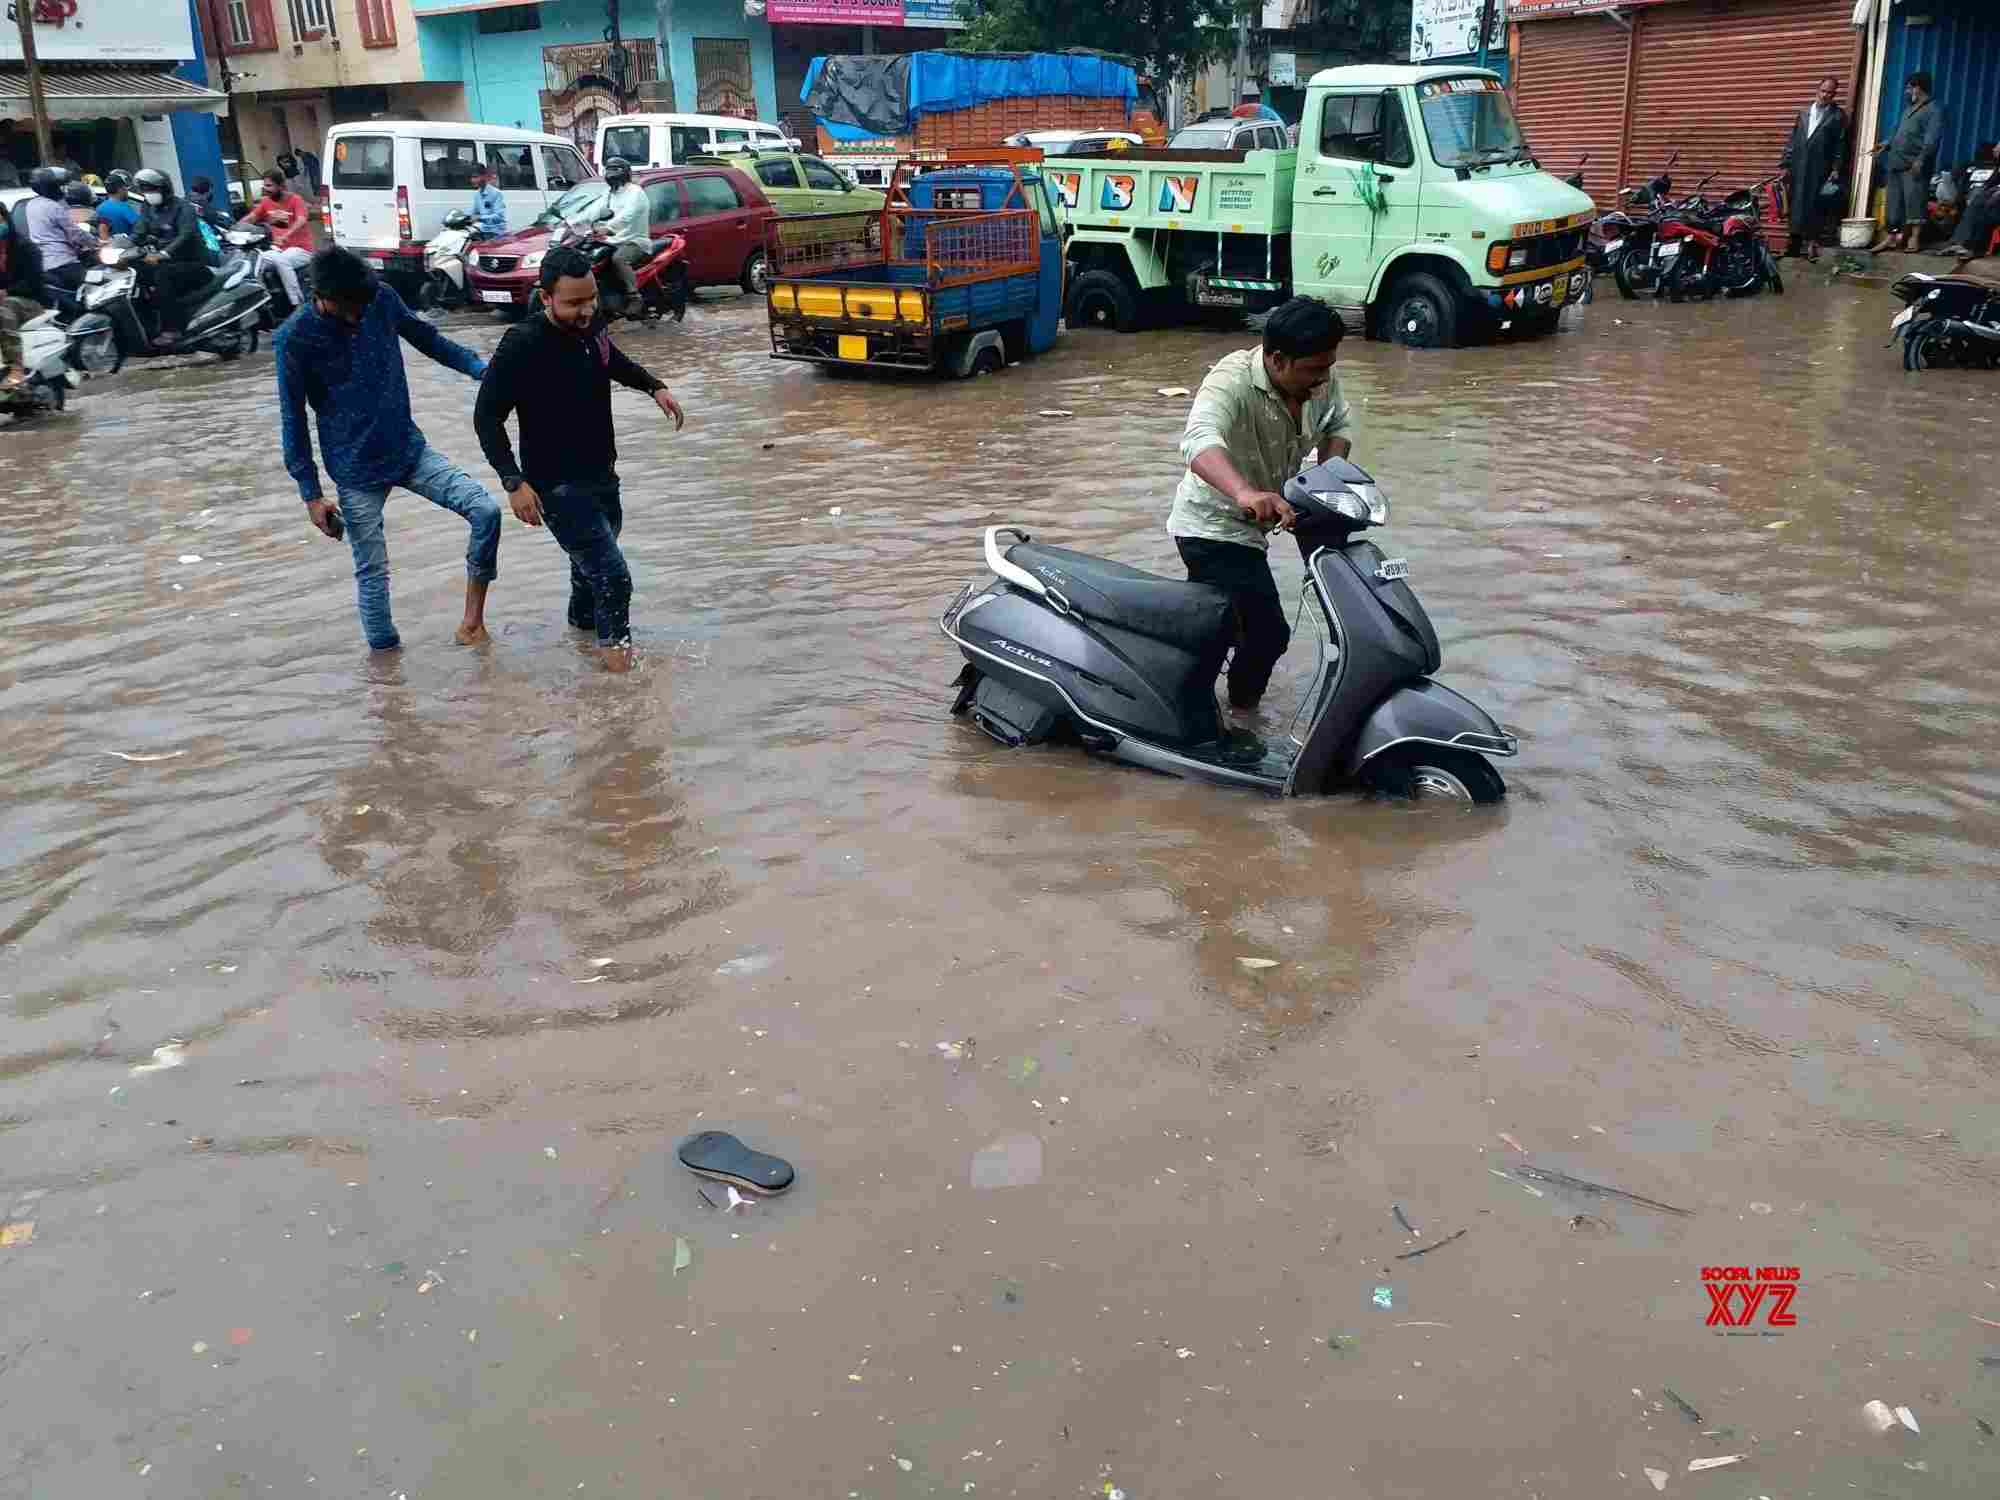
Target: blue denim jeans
x,y
441,482
585,517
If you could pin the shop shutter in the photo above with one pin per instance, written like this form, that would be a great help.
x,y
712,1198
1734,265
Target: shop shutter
x,y
1720,81
1569,92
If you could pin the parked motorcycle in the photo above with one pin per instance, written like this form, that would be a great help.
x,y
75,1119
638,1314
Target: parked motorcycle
x,y
1063,646
1653,244
662,279
254,243
224,321
444,262
1621,229
1721,250
52,374
1948,321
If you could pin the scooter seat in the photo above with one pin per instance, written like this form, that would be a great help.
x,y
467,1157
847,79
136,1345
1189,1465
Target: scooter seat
x,y
1190,615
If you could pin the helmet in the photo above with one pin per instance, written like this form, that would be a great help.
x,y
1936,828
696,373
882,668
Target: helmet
x,y
79,195
152,180
617,171
113,181
47,181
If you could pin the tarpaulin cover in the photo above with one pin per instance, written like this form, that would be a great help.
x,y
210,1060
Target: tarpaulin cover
x,y
857,98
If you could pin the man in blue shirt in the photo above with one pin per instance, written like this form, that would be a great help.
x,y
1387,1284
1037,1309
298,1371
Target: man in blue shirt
x,y
489,209
117,214
340,356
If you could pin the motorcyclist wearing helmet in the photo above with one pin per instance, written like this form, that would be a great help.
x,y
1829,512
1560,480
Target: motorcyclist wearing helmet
x,y
177,255
45,218
628,220
117,214
82,203
22,296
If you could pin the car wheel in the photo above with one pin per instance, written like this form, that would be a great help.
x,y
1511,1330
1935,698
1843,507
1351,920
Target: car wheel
x,y
756,274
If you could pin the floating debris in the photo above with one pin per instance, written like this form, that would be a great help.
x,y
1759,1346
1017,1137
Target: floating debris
x,y
1514,1143
1055,411
1686,1410
1408,1227
139,759
748,963
1385,1296
1878,1416
172,1055
1258,963
1659,1478
13,1235
1908,1418
1174,390
683,1254
1577,1184
1438,1245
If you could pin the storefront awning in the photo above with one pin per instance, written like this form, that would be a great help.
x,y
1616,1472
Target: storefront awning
x,y
93,93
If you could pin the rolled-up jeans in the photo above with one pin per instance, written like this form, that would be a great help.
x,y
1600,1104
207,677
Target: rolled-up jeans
x,y
624,260
441,482
585,517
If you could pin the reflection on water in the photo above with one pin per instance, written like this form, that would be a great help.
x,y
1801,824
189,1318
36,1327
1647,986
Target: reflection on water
x,y
419,919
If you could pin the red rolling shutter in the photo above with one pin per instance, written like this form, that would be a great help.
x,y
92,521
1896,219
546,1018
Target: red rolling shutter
x,y
1721,83
1569,92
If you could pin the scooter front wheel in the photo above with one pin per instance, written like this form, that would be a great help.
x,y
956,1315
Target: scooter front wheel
x,y
1434,773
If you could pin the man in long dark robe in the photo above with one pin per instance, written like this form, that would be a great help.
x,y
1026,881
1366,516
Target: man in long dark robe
x,y
1815,156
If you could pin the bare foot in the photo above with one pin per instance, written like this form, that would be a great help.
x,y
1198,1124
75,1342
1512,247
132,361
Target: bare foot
x,y
617,658
472,635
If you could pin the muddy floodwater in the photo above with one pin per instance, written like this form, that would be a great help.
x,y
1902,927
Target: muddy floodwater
x,y
351,1009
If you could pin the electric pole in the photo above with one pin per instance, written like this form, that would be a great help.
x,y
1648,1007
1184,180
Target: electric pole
x,y
38,103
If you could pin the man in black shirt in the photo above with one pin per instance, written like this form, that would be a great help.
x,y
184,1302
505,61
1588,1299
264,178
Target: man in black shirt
x,y
555,368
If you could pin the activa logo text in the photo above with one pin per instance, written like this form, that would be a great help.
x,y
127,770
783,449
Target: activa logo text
x,y
1736,1294
1026,655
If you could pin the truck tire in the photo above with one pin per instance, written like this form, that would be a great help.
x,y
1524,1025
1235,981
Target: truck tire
x,y
1101,299
1421,313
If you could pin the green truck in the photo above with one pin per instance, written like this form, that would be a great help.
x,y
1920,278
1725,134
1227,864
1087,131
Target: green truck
x,y
1411,203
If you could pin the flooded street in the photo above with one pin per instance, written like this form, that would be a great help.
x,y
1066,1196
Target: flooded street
x,y
460,943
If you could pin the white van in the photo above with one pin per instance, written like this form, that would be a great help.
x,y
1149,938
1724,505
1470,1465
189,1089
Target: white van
x,y
669,140
389,183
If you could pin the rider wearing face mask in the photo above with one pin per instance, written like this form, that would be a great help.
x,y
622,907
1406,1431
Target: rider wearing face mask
x,y
178,254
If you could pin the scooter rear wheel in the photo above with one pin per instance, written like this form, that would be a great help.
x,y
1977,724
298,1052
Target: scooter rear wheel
x,y
1431,772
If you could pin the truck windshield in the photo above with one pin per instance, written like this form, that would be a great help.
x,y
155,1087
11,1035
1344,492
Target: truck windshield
x,y
1470,122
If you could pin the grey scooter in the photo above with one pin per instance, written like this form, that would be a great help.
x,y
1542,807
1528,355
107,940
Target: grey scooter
x,y
1062,645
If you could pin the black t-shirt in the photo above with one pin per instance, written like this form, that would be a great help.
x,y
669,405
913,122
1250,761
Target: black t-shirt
x,y
559,384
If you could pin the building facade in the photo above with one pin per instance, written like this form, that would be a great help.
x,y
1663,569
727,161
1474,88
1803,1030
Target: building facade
x,y
124,86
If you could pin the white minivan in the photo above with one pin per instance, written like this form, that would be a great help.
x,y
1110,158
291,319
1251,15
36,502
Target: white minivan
x,y
389,183
669,140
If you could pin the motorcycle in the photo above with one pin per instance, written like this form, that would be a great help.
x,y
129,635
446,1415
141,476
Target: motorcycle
x,y
1654,243
1721,250
253,242
1947,321
662,278
444,262
1628,226
52,373
1062,646
224,321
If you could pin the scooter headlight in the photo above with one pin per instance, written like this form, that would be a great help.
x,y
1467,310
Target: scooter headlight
x,y
110,254
1363,503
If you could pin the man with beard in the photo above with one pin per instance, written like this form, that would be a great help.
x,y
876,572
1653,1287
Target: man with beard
x,y
555,369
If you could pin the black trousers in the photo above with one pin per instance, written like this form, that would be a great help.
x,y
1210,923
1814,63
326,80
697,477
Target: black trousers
x,y
585,517
1262,635
179,282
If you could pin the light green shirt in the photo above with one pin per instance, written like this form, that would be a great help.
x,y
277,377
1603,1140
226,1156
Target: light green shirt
x,y
1237,409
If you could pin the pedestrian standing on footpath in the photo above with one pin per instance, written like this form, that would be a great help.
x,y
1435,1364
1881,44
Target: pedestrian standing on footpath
x,y
1256,417
340,356
555,370
1911,158
1814,157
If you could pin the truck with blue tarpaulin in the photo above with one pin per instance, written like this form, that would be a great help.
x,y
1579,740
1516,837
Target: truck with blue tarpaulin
x,y
962,273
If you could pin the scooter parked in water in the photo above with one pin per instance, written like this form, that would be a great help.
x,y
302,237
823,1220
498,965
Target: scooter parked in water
x,y
1948,321
444,262
1066,646
224,320
45,357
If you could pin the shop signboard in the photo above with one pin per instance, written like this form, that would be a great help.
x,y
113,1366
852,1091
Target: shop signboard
x,y
102,31
836,12
1450,28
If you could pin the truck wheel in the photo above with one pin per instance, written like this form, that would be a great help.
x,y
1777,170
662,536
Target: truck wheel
x,y
1101,299
1423,314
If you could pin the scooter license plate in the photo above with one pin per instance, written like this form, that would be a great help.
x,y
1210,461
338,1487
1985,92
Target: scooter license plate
x,y
496,296
1612,247
1902,317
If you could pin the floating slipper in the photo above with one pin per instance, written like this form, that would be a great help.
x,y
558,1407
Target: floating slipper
x,y
720,1157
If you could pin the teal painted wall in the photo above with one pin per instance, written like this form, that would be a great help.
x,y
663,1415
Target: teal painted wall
x,y
503,73
721,18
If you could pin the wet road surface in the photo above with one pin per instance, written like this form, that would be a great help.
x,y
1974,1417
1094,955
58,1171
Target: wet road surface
x,y
459,943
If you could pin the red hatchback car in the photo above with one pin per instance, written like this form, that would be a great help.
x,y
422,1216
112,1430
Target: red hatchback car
x,y
720,212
